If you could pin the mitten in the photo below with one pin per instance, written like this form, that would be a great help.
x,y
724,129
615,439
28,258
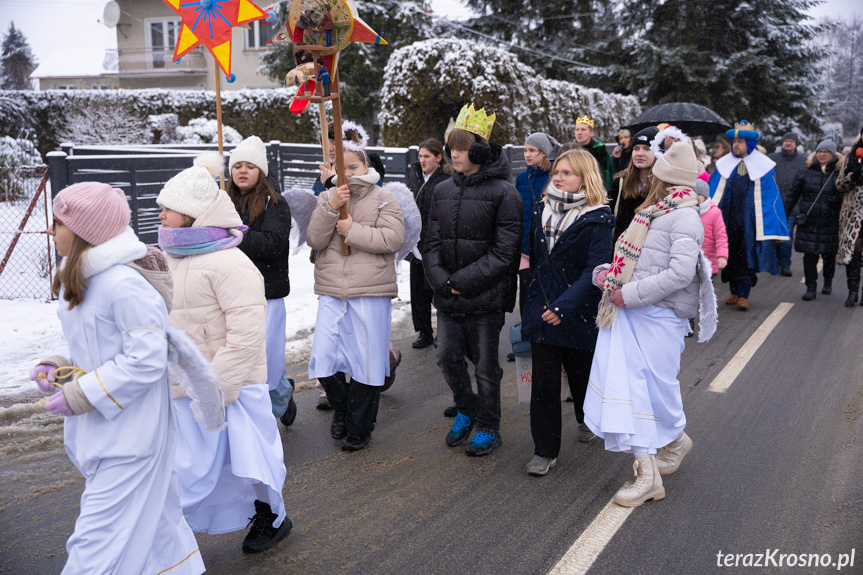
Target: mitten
x,y
58,405
47,371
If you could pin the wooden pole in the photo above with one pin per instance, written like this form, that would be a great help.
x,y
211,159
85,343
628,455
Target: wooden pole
x,y
325,137
219,120
340,153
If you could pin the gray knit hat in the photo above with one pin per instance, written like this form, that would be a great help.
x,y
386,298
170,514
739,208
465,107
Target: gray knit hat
x,y
546,144
827,144
702,188
791,136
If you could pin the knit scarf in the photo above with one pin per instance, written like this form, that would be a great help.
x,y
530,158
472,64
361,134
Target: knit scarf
x,y
180,242
560,203
627,250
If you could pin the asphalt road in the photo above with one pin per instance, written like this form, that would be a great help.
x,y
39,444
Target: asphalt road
x,y
776,465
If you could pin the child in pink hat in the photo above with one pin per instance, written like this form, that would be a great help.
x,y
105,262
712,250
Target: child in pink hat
x,y
109,378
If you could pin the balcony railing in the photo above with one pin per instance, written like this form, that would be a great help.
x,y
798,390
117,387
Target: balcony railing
x,y
153,61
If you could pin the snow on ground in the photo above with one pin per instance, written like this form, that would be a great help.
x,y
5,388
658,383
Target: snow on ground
x,y
31,328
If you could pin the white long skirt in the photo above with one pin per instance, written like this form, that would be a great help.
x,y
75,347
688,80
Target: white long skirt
x,y
218,469
276,318
633,397
352,336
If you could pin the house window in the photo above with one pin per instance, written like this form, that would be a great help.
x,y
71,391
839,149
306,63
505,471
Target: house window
x,y
161,38
258,34
66,86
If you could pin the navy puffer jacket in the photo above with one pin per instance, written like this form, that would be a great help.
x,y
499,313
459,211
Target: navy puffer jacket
x,y
474,240
562,280
530,185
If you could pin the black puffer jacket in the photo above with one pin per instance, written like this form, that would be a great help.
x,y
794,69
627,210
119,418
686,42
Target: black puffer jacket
x,y
820,233
423,192
474,240
267,243
787,168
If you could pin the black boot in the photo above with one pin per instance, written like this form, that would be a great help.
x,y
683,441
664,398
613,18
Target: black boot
x,y
336,387
424,340
828,286
263,535
810,292
852,298
339,428
363,411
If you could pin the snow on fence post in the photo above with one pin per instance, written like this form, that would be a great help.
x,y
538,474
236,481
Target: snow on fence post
x,y
274,159
57,171
67,147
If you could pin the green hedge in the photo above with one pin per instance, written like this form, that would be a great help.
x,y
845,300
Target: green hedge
x,y
264,113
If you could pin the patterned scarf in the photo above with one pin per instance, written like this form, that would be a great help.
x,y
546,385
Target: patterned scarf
x,y
180,242
560,203
627,250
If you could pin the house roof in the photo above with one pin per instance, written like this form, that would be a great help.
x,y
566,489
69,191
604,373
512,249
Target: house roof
x,y
72,64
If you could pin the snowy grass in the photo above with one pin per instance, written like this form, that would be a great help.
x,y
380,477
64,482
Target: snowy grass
x,y
31,328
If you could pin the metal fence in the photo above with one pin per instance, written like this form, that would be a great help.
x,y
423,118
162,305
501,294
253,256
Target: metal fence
x,y
26,268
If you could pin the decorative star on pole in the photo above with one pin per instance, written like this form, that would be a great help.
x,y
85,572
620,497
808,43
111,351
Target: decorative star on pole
x,y
209,22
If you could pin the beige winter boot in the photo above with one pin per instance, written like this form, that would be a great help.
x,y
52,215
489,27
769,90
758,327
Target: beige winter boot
x,y
669,458
648,484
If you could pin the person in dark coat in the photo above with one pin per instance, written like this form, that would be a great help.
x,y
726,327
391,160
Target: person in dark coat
x,y
819,200
471,255
622,153
629,189
850,183
570,234
584,130
426,174
788,163
267,243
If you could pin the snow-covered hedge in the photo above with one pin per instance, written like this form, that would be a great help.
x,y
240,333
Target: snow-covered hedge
x,y
427,83
264,113
204,131
15,153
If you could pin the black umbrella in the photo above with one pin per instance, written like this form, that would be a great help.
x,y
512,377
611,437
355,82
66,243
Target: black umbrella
x,y
692,119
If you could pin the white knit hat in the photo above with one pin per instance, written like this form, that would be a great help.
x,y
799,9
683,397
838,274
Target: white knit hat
x,y
194,189
250,150
678,166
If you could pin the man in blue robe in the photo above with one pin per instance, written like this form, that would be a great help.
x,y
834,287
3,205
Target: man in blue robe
x,y
744,187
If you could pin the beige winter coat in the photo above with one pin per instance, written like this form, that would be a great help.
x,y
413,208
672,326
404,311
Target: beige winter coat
x,y
219,301
377,233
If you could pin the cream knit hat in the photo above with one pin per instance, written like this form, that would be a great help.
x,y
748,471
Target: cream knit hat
x,y
194,189
250,150
677,166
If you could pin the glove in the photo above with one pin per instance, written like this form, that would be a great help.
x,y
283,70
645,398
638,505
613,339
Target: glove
x,y
57,405
47,371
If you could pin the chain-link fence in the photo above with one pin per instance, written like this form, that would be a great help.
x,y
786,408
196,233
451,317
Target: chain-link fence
x,y
26,267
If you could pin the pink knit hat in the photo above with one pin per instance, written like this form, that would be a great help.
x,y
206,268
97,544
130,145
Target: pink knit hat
x,y
94,212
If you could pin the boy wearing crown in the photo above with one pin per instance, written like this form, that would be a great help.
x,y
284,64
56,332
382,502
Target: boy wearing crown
x,y
584,130
744,187
471,254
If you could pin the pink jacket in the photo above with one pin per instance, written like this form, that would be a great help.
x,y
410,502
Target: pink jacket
x,y
715,237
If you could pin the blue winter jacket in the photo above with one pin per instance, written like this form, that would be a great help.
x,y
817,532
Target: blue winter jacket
x,y
530,185
562,281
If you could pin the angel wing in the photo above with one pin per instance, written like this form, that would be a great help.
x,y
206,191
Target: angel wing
x,y
410,214
302,202
194,374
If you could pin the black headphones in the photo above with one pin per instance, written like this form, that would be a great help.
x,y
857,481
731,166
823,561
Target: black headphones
x,y
479,152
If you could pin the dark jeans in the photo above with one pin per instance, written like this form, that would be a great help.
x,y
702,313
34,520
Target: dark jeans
x,y
358,401
810,267
785,247
421,298
477,338
741,287
545,418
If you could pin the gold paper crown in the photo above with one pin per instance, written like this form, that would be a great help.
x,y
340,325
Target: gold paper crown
x,y
584,120
743,125
475,121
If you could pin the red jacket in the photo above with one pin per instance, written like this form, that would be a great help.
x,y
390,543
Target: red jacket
x,y
715,237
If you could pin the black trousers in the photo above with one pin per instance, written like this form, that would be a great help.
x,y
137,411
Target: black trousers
x,y
523,283
545,417
852,270
810,267
358,401
421,298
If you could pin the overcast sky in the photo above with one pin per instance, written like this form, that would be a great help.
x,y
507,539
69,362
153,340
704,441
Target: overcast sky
x,y
73,24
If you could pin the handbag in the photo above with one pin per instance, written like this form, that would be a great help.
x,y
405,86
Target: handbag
x,y
801,219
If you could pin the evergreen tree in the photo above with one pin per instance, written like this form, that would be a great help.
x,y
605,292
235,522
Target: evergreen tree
x,y
843,72
750,60
17,60
361,66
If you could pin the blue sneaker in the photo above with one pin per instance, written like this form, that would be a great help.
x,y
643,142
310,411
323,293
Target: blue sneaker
x,y
483,443
460,430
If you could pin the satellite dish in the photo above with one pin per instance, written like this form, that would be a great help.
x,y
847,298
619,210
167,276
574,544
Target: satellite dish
x,y
111,15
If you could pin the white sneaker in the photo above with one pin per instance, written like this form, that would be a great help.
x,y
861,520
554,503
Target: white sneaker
x,y
647,485
670,456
